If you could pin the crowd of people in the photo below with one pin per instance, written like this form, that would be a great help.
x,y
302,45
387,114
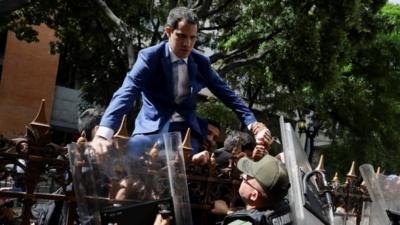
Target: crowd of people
x,y
264,178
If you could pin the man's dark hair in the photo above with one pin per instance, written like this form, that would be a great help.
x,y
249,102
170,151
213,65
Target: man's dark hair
x,y
214,123
88,120
181,13
236,138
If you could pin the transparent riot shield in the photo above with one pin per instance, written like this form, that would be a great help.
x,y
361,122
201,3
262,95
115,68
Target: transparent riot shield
x,y
305,203
124,188
385,194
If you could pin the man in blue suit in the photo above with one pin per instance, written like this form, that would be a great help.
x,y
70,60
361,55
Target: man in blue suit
x,y
168,77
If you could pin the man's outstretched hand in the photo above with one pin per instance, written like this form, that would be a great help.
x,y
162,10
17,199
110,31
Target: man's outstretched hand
x,y
100,145
263,140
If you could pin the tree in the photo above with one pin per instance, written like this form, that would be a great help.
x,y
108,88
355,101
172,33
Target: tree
x,y
337,58
7,6
98,40
368,107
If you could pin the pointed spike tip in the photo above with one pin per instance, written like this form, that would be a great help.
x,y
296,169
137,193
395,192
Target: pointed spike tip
x,y
352,171
40,118
187,144
321,165
335,178
122,131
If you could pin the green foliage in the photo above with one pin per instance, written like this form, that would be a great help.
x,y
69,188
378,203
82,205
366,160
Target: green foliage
x,y
365,104
213,109
337,58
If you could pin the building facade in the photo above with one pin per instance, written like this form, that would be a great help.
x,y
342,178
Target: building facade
x,y
28,74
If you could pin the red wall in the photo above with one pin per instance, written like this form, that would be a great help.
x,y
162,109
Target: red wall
x,y
28,76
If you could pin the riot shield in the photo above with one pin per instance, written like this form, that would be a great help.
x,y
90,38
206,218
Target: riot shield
x,y
385,194
127,189
305,203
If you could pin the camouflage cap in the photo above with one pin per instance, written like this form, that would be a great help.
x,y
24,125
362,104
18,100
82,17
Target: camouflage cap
x,y
269,172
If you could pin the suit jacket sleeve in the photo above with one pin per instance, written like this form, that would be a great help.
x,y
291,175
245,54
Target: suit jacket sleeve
x,y
123,99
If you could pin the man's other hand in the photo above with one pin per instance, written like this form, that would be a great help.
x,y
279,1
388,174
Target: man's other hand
x,y
201,158
100,145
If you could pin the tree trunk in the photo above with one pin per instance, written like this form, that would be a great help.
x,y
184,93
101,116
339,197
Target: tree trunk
x,y
121,26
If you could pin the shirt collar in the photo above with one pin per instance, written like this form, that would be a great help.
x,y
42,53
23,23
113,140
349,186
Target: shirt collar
x,y
175,58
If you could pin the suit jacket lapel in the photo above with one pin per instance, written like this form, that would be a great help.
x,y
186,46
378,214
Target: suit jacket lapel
x,y
167,68
192,71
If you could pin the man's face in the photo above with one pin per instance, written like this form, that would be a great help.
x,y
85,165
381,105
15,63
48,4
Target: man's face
x,y
182,39
212,135
249,188
245,190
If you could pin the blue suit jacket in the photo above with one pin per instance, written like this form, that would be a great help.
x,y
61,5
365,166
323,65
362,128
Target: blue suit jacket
x,y
151,78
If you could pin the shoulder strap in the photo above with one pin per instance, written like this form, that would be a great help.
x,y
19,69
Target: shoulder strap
x,y
279,216
252,216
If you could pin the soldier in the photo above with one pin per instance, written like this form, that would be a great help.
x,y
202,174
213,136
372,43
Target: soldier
x,y
263,189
